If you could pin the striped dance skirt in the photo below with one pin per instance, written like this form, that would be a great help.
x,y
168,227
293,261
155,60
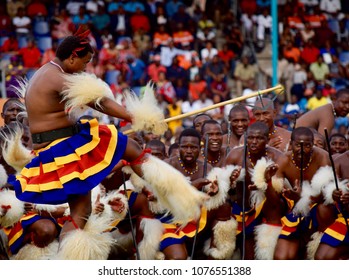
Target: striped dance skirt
x,y
72,165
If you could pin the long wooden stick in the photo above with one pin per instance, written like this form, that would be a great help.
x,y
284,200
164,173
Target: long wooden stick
x,y
279,89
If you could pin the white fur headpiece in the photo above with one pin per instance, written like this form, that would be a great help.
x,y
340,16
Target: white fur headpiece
x,y
15,208
82,89
147,115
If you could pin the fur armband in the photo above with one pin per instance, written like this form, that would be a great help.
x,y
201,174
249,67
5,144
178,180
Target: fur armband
x,y
329,188
302,206
11,209
82,89
322,177
258,171
14,152
146,114
222,176
108,199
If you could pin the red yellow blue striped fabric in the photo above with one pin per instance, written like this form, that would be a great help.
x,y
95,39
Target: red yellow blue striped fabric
x,y
337,233
252,217
72,165
175,234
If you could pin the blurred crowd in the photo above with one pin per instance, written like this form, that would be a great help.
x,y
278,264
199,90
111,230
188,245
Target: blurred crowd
x,y
196,52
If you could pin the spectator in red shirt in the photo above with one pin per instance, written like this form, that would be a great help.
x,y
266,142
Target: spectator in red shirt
x,y
31,55
139,21
10,44
155,68
310,52
36,8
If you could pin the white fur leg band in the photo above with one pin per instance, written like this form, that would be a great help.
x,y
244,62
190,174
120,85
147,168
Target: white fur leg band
x,y
82,89
146,114
91,243
266,237
224,240
173,190
150,244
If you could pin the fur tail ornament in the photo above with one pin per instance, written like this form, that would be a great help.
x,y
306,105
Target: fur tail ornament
x,y
14,152
90,243
11,209
147,115
313,244
224,240
82,89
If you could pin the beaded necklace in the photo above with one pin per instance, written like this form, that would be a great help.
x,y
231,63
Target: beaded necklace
x,y
306,167
273,132
212,161
334,111
186,170
250,160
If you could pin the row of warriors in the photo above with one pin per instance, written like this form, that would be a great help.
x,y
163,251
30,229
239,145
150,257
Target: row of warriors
x,y
73,188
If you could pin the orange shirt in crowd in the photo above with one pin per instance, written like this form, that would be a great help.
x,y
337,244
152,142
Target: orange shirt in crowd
x,y
294,53
161,39
196,88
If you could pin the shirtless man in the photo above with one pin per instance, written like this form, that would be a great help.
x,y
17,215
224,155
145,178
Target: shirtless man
x,y
199,120
264,111
88,152
296,234
324,116
334,244
238,121
272,209
215,152
189,165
